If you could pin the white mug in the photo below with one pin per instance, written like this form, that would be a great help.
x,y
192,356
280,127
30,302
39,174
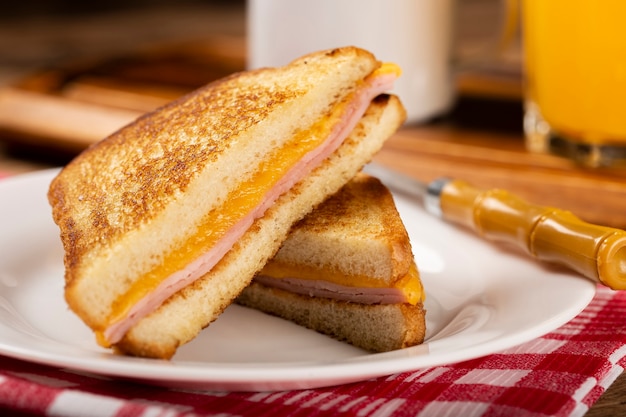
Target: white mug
x,y
415,34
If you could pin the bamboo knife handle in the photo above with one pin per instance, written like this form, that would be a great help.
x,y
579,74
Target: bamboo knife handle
x,y
549,234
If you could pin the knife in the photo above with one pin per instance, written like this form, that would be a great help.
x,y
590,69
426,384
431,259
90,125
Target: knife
x,y
546,233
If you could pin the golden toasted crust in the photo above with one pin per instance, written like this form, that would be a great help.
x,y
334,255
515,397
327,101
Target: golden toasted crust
x,y
356,232
184,314
376,327
180,139
135,196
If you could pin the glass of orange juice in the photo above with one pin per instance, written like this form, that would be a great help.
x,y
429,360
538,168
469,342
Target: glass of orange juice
x,y
575,71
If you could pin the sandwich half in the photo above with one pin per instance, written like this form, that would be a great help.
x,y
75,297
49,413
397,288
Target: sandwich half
x,y
167,220
347,270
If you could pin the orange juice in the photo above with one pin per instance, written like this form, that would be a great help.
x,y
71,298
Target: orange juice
x,y
576,67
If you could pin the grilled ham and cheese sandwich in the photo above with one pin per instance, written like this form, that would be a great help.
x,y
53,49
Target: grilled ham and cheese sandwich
x,y
167,220
347,270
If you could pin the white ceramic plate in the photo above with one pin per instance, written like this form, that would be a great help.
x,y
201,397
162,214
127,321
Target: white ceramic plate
x,y
480,299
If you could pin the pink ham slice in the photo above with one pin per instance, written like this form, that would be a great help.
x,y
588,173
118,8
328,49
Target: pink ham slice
x,y
325,289
373,86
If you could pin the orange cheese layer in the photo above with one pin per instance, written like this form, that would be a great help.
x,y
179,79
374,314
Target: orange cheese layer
x,y
387,68
410,284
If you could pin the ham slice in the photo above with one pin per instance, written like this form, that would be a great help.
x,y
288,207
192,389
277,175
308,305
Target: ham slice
x,y
325,289
374,85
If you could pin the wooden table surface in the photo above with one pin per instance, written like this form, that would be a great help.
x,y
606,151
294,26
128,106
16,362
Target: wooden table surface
x,y
480,140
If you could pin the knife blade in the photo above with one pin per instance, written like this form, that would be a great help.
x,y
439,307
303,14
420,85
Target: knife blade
x,y
545,233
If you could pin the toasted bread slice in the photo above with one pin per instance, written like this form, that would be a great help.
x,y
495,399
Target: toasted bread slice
x,y
347,270
144,214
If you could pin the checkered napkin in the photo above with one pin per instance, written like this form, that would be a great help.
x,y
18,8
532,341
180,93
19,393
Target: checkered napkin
x,y
560,374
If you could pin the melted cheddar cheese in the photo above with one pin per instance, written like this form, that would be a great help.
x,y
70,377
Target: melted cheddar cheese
x,y
387,68
410,284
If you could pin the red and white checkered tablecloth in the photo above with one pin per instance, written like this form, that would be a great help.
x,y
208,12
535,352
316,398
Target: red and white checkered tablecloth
x,y
560,374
